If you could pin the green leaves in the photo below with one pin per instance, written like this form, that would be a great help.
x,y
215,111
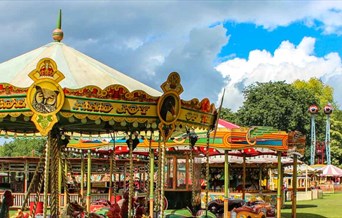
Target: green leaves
x,y
23,147
276,104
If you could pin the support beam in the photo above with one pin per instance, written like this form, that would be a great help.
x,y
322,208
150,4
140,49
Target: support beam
x,y
151,181
82,175
65,182
110,191
47,174
279,188
226,183
244,177
89,181
294,187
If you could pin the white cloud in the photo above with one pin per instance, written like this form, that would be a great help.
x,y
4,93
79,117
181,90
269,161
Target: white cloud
x,y
288,63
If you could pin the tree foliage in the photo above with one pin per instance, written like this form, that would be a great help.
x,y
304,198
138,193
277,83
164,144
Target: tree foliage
x,y
228,115
285,107
323,93
336,138
276,104
23,147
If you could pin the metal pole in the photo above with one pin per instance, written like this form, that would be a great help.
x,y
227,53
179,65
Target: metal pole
x,y
131,179
294,187
110,176
26,175
162,169
313,140
243,177
327,140
60,180
279,188
151,181
89,181
82,175
65,182
306,178
226,183
260,179
46,174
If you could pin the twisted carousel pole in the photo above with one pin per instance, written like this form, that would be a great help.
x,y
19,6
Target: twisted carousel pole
x,y
151,177
111,172
131,178
82,175
132,143
34,179
46,174
207,175
192,139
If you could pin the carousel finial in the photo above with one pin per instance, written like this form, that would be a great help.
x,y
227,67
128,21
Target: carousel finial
x,y
57,34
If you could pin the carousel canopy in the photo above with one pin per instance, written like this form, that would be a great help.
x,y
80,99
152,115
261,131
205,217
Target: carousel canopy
x,y
79,69
57,87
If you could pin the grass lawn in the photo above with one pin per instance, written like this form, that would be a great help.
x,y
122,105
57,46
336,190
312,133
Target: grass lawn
x,y
329,207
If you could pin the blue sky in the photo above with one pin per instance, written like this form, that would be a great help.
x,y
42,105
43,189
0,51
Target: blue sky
x,y
247,36
213,45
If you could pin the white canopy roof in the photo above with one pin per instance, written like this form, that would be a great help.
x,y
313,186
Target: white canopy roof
x,y
301,169
79,69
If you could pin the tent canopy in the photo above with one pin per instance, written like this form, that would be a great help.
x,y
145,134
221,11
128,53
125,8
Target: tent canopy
x,y
331,170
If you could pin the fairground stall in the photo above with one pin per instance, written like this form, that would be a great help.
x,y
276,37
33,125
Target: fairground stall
x,y
57,92
262,148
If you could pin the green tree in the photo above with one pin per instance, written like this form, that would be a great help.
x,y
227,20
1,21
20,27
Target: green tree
x,y
323,93
228,115
336,137
276,104
23,147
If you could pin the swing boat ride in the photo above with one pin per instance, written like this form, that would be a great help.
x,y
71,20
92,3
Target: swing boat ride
x,y
61,94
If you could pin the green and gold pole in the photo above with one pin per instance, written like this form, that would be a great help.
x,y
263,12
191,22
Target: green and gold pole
x,y
162,169
89,181
294,187
65,182
47,174
207,168
110,175
260,178
226,184
151,181
282,187
279,188
60,180
82,175
244,177
131,179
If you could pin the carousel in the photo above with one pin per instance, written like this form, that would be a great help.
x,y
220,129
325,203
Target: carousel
x,y
61,94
